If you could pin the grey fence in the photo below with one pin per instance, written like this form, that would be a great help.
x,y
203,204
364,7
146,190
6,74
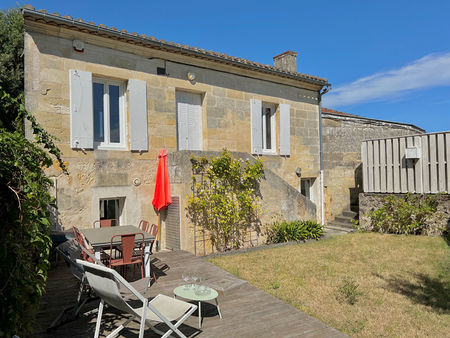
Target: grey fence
x,y
416,164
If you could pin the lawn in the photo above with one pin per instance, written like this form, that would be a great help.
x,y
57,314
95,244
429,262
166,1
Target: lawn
x,y
403,282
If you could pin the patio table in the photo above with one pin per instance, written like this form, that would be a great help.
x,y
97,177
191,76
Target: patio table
x,y
100,238
189,292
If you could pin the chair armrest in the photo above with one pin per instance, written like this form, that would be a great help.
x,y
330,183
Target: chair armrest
x,y
87,252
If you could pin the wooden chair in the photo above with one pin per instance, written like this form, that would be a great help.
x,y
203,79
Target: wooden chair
x,y
129,256
154,232
106,223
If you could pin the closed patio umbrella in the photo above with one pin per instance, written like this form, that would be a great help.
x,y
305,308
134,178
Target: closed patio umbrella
x,y
161,197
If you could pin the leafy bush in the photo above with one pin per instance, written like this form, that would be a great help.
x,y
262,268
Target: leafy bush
x,y
225,198
348,292
408,215
284,231
24,212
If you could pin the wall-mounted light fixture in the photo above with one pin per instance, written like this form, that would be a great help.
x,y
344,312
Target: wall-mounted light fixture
x,y
191,76
298,172
78,46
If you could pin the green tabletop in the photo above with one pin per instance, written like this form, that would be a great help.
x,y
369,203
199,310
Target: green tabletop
x,y
101,237
190,294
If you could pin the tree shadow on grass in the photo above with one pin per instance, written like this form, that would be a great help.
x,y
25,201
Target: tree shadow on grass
x,y
425,290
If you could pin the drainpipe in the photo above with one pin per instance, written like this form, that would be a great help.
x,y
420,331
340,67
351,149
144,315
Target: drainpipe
x,y
322,194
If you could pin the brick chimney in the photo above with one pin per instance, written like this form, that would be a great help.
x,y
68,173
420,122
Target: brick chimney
x,y
286,61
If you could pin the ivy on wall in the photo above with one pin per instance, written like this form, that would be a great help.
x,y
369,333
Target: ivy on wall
x,y
225,198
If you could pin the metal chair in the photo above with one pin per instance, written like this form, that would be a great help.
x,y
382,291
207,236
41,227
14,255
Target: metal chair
x,y
106,223
161,309
128,255
144,225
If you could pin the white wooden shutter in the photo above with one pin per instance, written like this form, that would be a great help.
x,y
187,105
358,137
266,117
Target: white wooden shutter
x,y
256,120
195,135
81,110
285,129
182,122
137,98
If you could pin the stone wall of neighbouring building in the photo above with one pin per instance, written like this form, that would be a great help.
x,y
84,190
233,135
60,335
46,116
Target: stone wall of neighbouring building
x,y
342,136
226,94
439,222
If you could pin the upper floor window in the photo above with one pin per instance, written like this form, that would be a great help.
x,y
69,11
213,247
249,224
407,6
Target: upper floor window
x,y
98,113
268,128
109,113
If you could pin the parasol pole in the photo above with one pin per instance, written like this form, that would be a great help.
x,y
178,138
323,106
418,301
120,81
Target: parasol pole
x,y
158,236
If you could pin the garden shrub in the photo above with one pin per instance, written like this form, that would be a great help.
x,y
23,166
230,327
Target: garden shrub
x,y
284,231
404,215
225,198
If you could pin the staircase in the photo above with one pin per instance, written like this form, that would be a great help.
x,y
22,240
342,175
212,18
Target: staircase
x,y
341,224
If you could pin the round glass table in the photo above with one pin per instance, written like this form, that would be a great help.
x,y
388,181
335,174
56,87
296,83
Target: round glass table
x,y
198,293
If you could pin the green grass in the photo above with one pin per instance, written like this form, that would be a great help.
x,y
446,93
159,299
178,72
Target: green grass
x,y
402,282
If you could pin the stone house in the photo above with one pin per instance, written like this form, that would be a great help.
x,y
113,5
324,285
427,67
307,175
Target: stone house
x,y
342,137
114,99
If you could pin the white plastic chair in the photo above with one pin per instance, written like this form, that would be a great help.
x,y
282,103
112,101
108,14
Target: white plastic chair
x,y
162,309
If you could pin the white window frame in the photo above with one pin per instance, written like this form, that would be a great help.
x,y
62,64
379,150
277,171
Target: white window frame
x,y
273,129
118,208
106,144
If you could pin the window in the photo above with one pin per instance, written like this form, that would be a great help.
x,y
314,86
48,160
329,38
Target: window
x,y
111,208
109,113
306,187
189,121
268,128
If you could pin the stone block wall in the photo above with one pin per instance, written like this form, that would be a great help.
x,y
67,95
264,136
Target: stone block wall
x,y
226,121
440,220
342,136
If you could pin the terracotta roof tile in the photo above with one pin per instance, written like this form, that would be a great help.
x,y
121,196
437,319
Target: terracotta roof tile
x,y
29,9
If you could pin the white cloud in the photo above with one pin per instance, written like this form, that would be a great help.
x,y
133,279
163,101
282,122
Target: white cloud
x,y
430,71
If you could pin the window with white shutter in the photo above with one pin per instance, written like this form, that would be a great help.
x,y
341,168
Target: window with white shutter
x,y
189,121
98,113
264,127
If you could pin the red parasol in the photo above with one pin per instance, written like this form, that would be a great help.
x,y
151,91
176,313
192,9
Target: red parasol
x,y
161,198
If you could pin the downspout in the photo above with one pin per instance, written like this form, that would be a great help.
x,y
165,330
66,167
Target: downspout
x,y
322,193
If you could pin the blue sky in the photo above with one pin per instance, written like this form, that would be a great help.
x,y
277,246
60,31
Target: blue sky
x,y
388,60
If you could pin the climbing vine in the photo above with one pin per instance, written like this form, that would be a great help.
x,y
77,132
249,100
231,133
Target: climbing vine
x,y
24,218
225,198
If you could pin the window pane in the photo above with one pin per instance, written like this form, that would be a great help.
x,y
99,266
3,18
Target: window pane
x,y
268,117
99,135
114,119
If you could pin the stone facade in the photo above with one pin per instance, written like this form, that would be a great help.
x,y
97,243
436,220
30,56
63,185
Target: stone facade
x,y
438,223
342,136
226,92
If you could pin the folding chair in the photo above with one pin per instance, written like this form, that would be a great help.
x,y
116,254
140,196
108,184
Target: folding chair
x,y
161,309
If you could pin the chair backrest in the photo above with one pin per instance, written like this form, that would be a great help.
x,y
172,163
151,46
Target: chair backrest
x,y
70,251
128,245
106,284
153,230
106,223
82,242
144,225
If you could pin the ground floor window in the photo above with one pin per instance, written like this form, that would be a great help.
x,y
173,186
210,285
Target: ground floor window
x,y
111,208
306,187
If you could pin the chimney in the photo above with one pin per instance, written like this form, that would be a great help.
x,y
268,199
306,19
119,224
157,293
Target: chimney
x,y
286,61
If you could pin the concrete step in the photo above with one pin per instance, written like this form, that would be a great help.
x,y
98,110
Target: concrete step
x,y
343,219
345,225
335,228
349,213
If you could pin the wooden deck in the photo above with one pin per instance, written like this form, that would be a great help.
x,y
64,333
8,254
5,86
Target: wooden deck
x,y
247,311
